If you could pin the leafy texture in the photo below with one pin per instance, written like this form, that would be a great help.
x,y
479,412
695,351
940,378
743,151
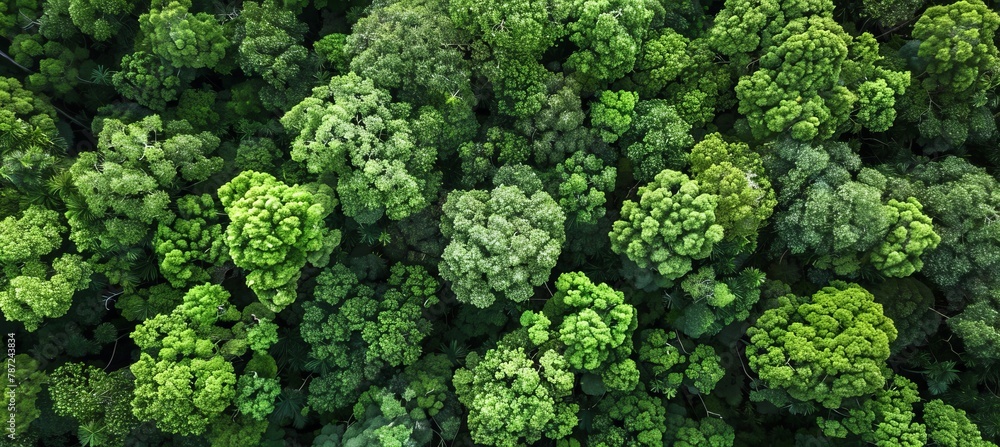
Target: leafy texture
x,y
514,35
800,88
502,243
274,230
658,140
99,18
36,291
886,418
182,38
949,426
826,349
636,416
585,183
192,243
594,325
124,186
736,175
270,46
711,303
146,81
672,224
957,41
181,382
386,325
94,397
910,236
609,34
514,397
410,46
353,129
909,303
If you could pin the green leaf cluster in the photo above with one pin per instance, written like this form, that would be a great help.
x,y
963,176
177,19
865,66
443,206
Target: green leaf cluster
x,y
591,326
274,229
516,397
356,331
844,323
193,241
182,382
502,243
353,129
96,398
672,224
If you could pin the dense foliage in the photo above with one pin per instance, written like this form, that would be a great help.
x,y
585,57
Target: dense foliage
x,y
403,223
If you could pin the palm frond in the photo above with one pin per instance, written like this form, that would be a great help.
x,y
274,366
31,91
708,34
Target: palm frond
x,y
91,435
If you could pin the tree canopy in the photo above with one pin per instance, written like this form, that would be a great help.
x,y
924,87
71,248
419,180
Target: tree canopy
x,y
569,223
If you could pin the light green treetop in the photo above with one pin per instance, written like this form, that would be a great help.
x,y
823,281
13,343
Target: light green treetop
x,y
745,25
911,234
144,79
609,34
736,175
503,243
125,184
353,129
957,41
811,77
707,432
36,233
182,381
182,38
274,229
884,419
664,58
796,88
39,291
825,349
672,224
515,397
32,287
585,181
99,18
16,102
593,327
949,427
613,113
